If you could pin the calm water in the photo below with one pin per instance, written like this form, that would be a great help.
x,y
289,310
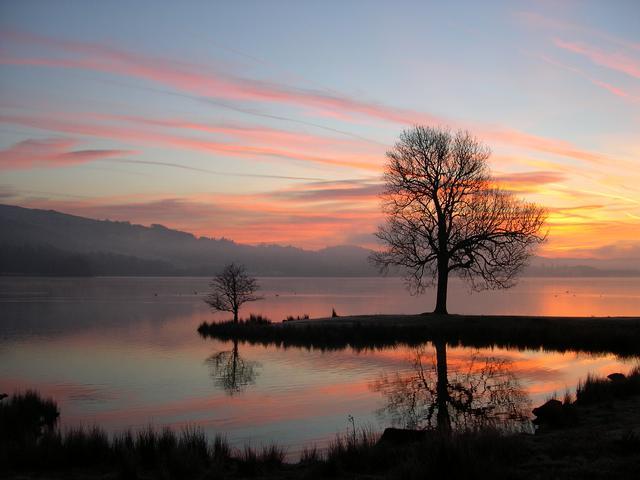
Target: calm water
x,y
124,352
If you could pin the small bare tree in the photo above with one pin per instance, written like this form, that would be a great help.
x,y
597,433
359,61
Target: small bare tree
x,y
445,214
231,288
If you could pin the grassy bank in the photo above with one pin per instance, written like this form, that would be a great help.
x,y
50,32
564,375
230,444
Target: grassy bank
x,y
601,440
35,448
32,444
620,335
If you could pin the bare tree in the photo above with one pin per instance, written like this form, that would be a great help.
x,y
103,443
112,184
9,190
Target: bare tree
x,y
445,214
231,288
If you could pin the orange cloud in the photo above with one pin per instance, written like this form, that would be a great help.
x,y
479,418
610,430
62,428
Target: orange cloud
x,y
528,181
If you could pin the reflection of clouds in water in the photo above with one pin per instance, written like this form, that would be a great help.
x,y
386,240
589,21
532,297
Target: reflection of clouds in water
x,y
88,393
120,356
525,364
64,391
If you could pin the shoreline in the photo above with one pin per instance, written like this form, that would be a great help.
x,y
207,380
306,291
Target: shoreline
x,y
597,435
419,318
617,335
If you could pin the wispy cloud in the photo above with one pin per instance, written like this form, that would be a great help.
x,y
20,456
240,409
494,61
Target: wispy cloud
x,y
195,78
537,20
140,136
251,134
612,60
212,172
615,90
529,181
209,82
51,152
356,191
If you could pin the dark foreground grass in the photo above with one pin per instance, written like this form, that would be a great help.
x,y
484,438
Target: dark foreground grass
x,y
602,443
151,453
148,453
596,335
486,453
25,416
30,442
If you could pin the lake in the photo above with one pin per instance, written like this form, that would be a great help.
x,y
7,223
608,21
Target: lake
x,y
124,352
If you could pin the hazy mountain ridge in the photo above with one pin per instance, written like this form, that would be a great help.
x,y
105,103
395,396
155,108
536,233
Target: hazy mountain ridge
x,y
155,249
47,242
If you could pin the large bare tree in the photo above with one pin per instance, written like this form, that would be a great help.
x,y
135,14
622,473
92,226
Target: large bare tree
x,y
231,288
445,214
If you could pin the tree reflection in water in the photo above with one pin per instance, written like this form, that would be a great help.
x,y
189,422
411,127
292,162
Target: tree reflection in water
x,y
482,391
230,371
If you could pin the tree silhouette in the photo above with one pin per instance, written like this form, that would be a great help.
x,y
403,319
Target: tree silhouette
x,y
445,214
484,392
230,371
231,288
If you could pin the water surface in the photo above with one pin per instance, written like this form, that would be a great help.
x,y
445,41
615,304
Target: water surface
x,y
124,352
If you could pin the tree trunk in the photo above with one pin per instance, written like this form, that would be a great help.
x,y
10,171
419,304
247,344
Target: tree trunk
x,y
442,388
234,364
443,279
235,315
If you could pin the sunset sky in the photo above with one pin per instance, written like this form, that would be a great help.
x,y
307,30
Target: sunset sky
x,y
267,122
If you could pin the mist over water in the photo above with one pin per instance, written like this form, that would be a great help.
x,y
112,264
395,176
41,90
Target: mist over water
x,y
124,352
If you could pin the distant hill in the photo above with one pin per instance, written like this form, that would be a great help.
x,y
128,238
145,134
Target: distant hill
x,y
46,242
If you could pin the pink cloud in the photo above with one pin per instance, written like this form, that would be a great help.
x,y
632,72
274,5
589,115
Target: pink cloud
x,y
256,134
613,89
614,61
195,79
202,81
537,20
617,91
51,152
121,133
546,145
353,192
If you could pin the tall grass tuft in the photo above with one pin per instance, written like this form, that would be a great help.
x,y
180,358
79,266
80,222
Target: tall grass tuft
x,y
31,442
26,416
310,456
254,462
597,389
